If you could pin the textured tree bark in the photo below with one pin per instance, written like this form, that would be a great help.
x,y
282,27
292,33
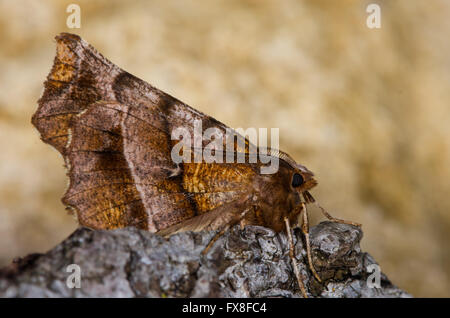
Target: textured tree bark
x,y
253,262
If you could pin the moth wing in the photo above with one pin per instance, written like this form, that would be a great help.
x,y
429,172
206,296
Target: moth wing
x,y
101,188
118,176
118,152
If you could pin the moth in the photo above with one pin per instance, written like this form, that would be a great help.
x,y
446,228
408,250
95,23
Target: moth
x,y
114,133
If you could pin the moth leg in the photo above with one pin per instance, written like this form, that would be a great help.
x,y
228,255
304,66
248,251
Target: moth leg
x,y
225,228
305,230
333,219
216,237
242,224
298,275
309,199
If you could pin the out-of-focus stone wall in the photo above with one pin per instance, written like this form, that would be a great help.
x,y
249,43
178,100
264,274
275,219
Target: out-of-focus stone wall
x,y
366,109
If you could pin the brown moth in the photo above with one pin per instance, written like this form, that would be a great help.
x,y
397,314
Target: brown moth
x,y
114,132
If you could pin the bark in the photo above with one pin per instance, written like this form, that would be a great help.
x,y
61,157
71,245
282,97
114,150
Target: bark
x,y
252,262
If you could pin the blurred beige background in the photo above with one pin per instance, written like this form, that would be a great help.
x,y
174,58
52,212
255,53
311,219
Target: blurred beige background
x,y
366,109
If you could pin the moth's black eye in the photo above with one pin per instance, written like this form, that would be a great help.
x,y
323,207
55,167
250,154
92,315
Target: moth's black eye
x,y
297,180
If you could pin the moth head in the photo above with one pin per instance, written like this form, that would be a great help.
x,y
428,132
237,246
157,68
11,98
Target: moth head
x,y
302,180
